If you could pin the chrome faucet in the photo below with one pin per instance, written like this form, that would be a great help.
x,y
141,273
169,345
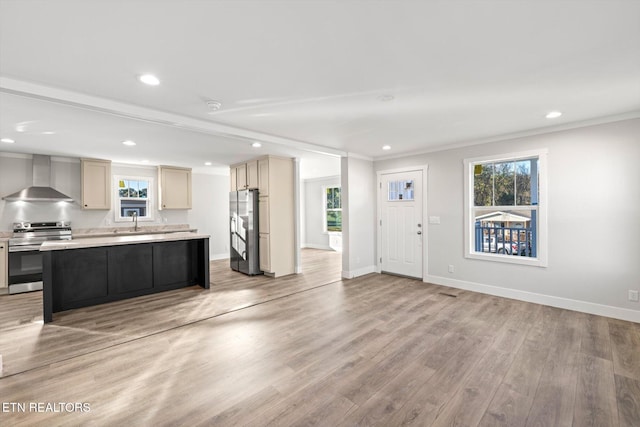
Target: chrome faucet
x,y
135,219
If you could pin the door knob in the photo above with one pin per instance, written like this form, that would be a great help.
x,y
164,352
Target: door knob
x,y
419,232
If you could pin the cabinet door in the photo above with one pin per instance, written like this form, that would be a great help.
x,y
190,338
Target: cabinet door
x,y
175,188
83,276
3,264
241,176
130,268
96,184
174,263
263,215
252,174
233,185
265,253
263,177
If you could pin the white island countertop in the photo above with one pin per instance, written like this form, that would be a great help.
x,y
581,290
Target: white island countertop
x,y
120,239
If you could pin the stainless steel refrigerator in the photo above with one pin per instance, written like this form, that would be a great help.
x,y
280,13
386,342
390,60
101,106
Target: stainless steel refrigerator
x,y
243,220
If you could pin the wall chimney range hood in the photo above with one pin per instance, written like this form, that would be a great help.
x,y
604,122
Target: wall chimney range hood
x,y
41,190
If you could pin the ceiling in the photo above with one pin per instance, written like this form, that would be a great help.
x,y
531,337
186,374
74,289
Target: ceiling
x,y
310,79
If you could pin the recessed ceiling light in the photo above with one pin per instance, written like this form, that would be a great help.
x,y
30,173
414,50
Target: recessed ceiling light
x,y
207,163
149,79
256,145
386,147
144,161
129,143
7,140
48,132
386,98
553,115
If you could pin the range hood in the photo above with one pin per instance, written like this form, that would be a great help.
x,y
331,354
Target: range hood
x,y
41,190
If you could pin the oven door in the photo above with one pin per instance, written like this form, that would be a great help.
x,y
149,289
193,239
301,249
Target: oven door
x,y
25,269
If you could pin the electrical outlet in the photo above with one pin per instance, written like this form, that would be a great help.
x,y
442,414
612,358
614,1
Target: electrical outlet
x,y
633,295
451,269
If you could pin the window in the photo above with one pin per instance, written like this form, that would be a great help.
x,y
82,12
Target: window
x,y
332,209
400,190
134,196
505,208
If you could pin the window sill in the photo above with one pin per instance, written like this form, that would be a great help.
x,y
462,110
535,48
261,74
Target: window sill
x,y
507,259
128,219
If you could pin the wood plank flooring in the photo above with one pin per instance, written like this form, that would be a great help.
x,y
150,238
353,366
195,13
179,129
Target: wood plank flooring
x,y
312,349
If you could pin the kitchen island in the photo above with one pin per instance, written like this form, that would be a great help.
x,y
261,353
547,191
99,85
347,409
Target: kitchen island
x,y
89,271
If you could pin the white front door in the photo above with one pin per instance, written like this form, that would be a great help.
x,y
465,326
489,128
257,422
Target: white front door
x,y
401,226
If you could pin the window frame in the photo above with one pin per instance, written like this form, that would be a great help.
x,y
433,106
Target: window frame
x,y
542,252
149,199
325,229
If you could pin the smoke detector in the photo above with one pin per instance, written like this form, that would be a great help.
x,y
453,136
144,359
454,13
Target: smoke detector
x,y
213,105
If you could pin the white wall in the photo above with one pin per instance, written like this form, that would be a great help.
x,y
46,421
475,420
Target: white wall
x,y
210,200
315,236
210,213
358,217
593,212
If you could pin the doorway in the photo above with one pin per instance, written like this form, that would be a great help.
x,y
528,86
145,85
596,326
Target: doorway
x,y
320,219
401,229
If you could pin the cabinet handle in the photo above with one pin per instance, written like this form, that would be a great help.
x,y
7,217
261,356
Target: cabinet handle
x,y
164,206
86,206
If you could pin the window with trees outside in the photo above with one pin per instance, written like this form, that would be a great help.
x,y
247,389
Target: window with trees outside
x,y
332,209
134,197
505,208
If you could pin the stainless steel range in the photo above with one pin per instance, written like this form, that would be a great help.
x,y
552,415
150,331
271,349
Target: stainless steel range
x,y
25,258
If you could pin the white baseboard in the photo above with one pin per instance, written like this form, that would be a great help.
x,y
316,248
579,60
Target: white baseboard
x,y
352,274
553,301
215,257
315,246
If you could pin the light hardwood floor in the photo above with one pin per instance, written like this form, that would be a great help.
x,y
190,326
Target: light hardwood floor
x,y
311,349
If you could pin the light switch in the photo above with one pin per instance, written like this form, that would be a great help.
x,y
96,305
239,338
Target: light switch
x,y
434,220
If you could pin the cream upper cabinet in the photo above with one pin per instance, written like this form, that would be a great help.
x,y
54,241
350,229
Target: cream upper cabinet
x,y
233,179
241,176
95,183
4,250
244,175
263,177
252,174
174,188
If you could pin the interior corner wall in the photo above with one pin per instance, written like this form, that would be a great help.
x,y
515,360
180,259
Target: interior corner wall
x,y
593,220
358,217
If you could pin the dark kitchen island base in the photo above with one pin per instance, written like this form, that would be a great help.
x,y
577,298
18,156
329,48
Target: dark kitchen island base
x,y
82,277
